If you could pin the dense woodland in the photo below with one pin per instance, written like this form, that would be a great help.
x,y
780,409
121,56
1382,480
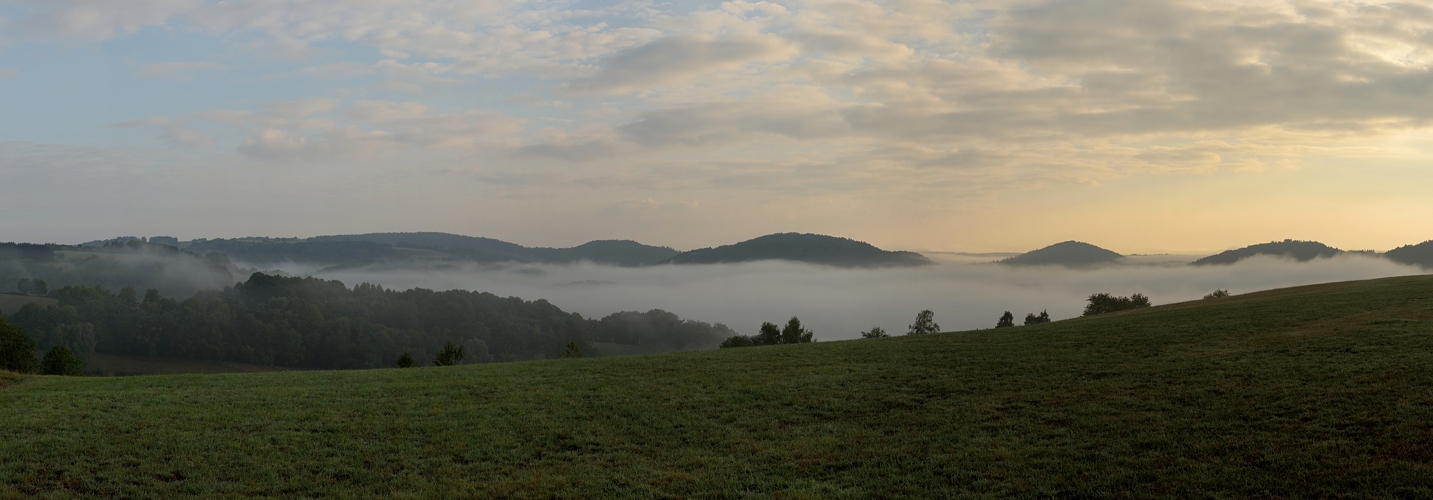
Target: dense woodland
x,y
321,324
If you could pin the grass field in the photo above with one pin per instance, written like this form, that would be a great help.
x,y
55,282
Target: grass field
x,y
9,303
1319,391
118,364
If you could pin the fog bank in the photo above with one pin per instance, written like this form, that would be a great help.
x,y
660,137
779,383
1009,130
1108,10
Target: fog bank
x,y
839,303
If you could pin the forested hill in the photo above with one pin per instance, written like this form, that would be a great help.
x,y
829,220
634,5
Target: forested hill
x,y
810,248
1419,255
362,248
1301,251
315,323
1068,253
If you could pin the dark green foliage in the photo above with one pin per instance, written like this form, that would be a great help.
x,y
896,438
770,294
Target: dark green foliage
x,y
272,251
406,360
25,286
811,248
1068,253
1417,255
1102,303
41,287
1007,320
1298,250
1217,294
17,349
657,328
449,355
875,332
60,361
768,334
794,333
26,251
925,324
1033,319
736,341
572,351
305,323
116,265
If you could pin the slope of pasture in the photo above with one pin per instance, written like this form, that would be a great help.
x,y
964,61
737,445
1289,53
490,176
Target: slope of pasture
x,y
9,302
1318,391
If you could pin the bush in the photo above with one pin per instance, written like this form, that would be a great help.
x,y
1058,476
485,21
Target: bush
x,y
61,361
1218,294
1007,320
407,361
794,333
1032,319
16,349
1102,303
450,355
736,341
874,333
572,351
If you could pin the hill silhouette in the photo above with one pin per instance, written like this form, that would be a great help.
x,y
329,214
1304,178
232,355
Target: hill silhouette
x,y
1067,253
1420,255
360,249
809,248
1302,251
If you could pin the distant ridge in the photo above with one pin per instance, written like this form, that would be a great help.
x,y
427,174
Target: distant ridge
x,y
809,248
1067,253
1419,255
359,249
1302,251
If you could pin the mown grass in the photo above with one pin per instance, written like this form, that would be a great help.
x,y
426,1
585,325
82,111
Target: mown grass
x,y
1321,391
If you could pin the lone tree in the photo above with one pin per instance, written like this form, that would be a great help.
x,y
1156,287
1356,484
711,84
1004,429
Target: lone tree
x,y
450,355
874,333
1032,319
1102,303
572,350
1217,294
925,323
1007,320
16,349
794,333
60,361
406,361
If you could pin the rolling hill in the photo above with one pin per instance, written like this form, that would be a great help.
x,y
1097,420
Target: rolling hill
x,y
1302,251
1418,255
359,249
1068,253
809,248
1310,392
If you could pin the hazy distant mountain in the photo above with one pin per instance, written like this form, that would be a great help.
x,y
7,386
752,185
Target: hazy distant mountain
x,y
363,249
1419,255
809,248
1068,253
1301,251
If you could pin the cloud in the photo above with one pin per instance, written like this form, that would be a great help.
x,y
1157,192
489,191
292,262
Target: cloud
x,y
674,59
178,70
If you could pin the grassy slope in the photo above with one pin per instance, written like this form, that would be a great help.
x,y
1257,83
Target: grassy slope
x,y
11,303
1315,391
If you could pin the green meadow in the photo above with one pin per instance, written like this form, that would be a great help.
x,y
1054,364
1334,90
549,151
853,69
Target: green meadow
x,y
1317,391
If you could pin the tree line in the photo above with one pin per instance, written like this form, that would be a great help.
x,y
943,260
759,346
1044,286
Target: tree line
x,y
314,323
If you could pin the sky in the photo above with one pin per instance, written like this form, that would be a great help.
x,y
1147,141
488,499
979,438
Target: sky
x,y
1142,126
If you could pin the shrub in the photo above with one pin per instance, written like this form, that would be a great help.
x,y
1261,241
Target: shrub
x,y
572,351
406,361
736,341
450,355
874,333
1102,303
61,361
1032,319
1217,294
16,349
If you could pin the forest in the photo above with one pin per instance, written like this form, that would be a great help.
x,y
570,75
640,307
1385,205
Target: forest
x,y
313,323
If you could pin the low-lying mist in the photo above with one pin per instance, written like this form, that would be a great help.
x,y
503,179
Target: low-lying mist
x,y
840,303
